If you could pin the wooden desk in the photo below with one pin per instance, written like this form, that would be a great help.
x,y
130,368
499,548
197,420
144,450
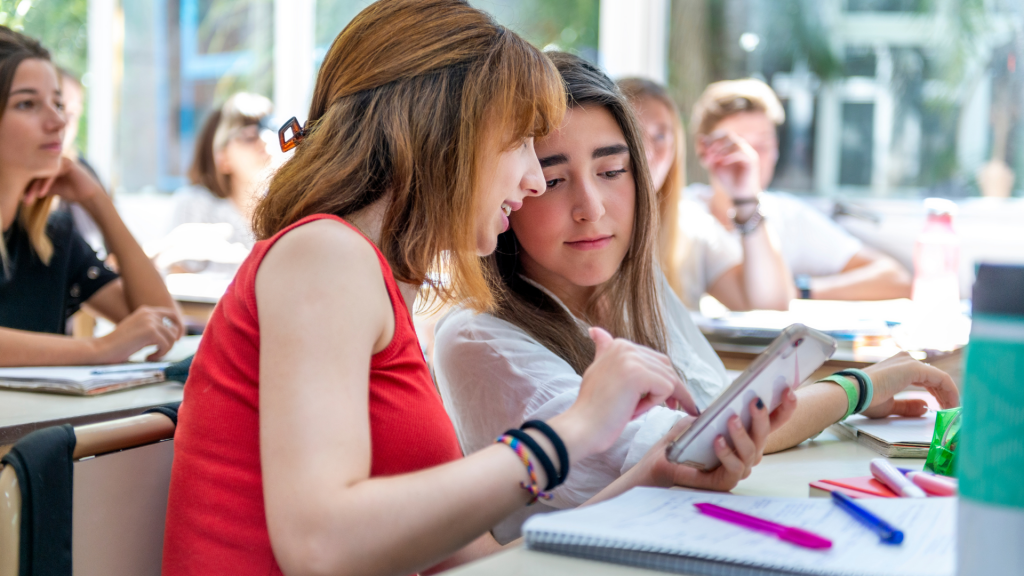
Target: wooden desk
x,y
786,473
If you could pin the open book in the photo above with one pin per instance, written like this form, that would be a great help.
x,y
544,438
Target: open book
x,y
660,529
82,380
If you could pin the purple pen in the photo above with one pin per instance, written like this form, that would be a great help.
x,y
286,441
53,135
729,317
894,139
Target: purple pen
x,y
787,533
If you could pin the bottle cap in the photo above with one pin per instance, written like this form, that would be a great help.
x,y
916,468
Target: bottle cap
x,y
940,207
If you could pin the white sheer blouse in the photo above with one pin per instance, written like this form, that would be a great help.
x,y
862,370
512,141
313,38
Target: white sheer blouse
x,y
494,376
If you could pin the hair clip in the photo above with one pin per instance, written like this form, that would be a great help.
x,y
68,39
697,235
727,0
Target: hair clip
x,y
298,134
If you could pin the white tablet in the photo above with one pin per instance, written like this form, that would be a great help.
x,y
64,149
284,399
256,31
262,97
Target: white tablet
x,y
788,360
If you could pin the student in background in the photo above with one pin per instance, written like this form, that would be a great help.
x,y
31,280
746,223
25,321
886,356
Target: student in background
x,y
826,261
581,255
311,438
696,254
48,270
229,168
73,94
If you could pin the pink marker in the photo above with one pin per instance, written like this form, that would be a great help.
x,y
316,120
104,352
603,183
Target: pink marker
x,y
787,533
934,485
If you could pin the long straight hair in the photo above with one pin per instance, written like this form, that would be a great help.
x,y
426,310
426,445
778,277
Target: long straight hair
x,y
670,238
627,304
15,48
398,111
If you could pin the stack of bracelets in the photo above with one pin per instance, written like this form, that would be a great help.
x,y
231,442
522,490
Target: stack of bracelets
x,y
520,441
858,386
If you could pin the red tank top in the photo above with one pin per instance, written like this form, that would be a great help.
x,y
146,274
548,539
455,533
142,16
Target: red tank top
x,y
216,523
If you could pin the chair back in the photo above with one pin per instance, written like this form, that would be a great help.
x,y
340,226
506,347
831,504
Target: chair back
x,y
122,471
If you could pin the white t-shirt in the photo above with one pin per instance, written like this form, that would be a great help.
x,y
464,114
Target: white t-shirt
x,y
493,376
810,242
197,205
709,251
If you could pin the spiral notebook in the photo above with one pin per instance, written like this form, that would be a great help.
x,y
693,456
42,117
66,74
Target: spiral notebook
x,y
660,529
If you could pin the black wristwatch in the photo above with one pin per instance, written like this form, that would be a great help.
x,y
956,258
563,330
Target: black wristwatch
x,y
803,284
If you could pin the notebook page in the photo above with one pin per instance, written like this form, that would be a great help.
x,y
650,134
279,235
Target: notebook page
x,y
82,375
665,521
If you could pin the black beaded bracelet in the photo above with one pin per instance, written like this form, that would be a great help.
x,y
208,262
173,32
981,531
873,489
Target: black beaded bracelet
x,y
545,461
863,389
556,440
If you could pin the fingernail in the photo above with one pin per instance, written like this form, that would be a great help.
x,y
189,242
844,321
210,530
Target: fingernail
x,y
698,410
760,404
720,441
734,421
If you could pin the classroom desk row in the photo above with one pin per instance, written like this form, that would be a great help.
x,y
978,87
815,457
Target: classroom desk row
x,y
23,412
785,474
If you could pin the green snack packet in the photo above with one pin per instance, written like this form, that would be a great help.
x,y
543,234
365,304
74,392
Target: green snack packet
x,y
942,452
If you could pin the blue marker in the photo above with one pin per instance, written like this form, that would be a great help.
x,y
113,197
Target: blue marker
x,y
885,531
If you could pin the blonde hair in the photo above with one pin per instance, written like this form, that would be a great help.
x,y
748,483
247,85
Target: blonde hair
x,y
398,110
670,239
15,48
723,99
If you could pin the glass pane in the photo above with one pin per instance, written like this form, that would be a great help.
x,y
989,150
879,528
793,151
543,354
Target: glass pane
x,y
855,155
61,27
949,109
182,58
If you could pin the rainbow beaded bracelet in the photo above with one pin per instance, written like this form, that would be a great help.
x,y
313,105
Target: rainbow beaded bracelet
x,y
533,487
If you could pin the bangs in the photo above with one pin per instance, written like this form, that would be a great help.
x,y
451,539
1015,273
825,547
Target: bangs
x,y
524,90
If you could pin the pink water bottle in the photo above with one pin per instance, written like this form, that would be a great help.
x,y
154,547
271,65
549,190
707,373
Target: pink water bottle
x,y
936,289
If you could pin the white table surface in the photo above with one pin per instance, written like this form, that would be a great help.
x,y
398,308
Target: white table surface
x,y
22,412
787,474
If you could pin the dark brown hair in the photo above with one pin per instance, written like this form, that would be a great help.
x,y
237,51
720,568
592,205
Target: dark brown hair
x,y
670,253
15,48
242,109
627,305
398,110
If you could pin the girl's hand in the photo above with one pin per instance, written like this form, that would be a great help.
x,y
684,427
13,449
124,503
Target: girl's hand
x,y
897,373
146,326
624,381
732,162
656,470
71,182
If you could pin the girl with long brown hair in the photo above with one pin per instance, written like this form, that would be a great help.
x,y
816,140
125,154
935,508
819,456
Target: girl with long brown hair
x,y
47,270
311,439
569,262
580,256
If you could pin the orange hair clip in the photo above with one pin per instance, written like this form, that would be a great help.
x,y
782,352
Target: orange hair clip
x,y
298,134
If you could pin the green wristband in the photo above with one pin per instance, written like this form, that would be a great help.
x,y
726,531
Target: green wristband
x,y
869,387
852,392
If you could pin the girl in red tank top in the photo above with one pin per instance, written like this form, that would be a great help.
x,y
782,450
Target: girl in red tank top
x,y
311,438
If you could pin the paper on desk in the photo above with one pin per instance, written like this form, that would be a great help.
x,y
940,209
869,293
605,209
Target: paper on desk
x,y
665,521
81,379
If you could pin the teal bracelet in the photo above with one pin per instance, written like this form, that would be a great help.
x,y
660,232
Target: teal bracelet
x,y
869,387
850,387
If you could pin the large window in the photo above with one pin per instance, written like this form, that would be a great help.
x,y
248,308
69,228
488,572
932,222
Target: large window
x,y
884,98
